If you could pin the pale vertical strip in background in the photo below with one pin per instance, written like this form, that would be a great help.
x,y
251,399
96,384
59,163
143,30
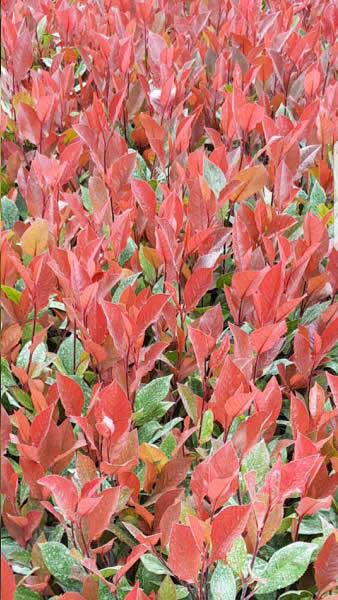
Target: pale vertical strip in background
x,y
335,194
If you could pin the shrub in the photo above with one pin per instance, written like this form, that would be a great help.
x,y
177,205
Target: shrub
x,y
169,361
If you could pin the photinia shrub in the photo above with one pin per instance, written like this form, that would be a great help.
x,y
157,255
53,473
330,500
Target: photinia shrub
x,y
169,275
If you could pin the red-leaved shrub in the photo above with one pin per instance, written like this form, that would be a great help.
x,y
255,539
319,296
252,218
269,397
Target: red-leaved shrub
x,y
169,364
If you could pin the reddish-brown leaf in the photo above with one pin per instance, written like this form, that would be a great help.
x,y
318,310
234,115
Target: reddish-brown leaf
x,y
251,181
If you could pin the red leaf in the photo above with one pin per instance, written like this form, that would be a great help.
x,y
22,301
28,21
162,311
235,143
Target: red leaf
x,y
303,355
245,283
269,294
22,56
136,593
312,81
216,477
64,493
227,525
184,556
7,580
132,558
155,135
251,181
98,521
333,383
145,197
283,187
112,413
309,506
326,564
264,338
230,380
116,323
71,395
202,344
299,416
249,115
173,473
150,312
197,285
28,123
6,429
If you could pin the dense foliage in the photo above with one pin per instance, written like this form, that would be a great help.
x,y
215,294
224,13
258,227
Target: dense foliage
x,y
169,363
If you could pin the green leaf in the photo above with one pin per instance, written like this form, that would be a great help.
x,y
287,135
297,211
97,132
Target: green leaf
x,y
311,525
21,206
21,556
104,592
317,197
189,400
153,431
223,211
181,592
22,398
147,268
39,357
86,201
23,593
207,426
6,376
286,566
313,312
213,176
258,460
168,445
327,527
149,403
223,280
108,571
333,365
61,564
128,252
158,286
8,545
41,28
154,565
237,555
141,170
27,331
295,595
11,293
167,590
123,589
9,213
55,533
165,429
149,582
258,569
223,583
124,283
147,431
66,353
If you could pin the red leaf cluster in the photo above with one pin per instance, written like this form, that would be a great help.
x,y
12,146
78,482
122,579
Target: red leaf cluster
x,y
168,291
